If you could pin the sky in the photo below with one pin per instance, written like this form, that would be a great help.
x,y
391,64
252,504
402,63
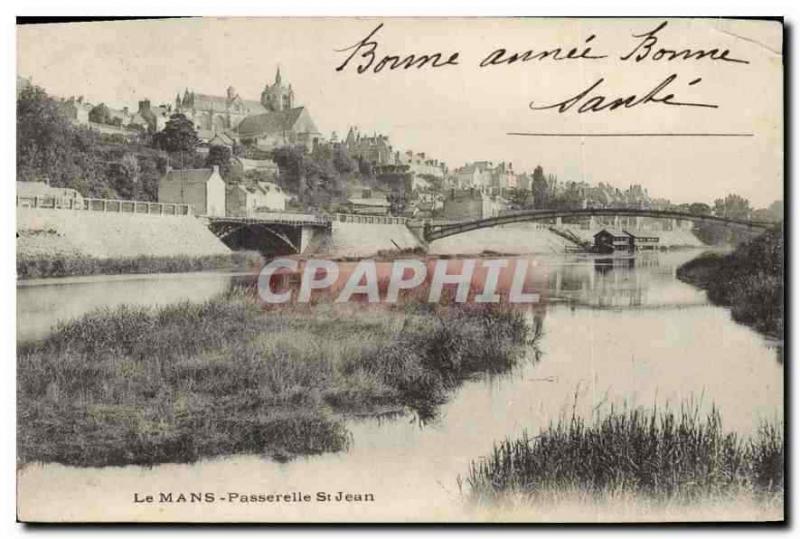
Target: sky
x,y
464,112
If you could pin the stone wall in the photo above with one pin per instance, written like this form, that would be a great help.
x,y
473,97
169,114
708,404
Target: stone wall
x,y
355,239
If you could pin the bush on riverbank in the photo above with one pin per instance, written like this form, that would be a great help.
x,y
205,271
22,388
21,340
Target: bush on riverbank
x,y
62,266
661,456
749,280
141,386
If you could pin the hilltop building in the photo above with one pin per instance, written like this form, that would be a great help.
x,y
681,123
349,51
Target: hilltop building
x,y
421,165
280,128
270,121
467,204
378,151
77,110
211,113
266,167
486,176
249,200
156,118
375,150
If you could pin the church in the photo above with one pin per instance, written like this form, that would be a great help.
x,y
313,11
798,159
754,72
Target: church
x,y
272,121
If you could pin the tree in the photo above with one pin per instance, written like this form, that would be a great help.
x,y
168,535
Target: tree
x,y
131,170
178,135
152,168
733,207
221,157
772,213
342,162
290,161
520,198
49,146
540,189
100,114
572,196
699,208
365,168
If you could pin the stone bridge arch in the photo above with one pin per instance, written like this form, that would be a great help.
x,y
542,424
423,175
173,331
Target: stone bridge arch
x,y
272,239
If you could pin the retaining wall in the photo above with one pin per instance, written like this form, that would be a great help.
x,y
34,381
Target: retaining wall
x,y
45,232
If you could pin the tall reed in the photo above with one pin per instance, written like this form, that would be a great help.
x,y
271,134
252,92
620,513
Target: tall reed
x,y
664,455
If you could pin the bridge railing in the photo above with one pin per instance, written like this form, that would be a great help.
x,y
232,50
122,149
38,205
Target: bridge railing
x,y
311,219
369,219
274,217
104,205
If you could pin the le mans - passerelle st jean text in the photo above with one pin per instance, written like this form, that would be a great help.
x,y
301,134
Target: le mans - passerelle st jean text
x,y
320,496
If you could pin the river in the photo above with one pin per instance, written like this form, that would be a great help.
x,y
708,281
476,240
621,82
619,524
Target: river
x,y
621,332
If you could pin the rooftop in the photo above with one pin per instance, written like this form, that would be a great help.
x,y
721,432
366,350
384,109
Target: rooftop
x,y
377,202
269,122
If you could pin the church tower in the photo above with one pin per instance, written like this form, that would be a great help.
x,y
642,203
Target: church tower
x,y
277,96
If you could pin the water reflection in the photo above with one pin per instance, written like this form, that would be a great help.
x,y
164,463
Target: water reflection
x,y
646,280
41,304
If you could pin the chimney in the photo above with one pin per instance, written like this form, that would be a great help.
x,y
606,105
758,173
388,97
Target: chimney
x,y
215,169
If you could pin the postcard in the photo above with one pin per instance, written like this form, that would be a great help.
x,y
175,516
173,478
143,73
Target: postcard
x,y
400,270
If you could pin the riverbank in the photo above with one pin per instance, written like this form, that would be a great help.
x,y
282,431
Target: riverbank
x,y
750,281
73,266
651,458
189,381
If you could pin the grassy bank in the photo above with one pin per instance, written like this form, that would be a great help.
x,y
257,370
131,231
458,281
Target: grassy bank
x,y
749,281
141,386
62,266
664,457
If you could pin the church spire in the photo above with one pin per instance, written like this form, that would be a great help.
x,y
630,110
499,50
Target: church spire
x,y
278,76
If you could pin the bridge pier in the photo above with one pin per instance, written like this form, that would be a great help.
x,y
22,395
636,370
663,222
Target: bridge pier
x,y
420,231
306,233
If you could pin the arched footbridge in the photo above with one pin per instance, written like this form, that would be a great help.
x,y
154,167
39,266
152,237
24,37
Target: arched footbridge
x,y
435,231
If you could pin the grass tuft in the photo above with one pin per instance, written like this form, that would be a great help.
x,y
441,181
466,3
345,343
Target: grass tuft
x,y
138,385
